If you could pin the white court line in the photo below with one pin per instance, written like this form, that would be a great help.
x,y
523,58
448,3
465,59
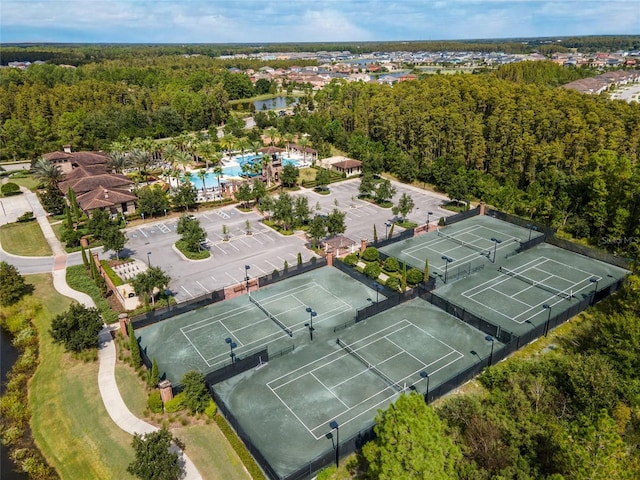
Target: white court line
x,y
197,351
330,390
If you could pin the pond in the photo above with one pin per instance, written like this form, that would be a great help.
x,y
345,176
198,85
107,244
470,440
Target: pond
x,y
276,103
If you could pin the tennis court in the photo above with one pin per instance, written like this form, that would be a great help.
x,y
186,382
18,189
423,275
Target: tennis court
x,y
524,290
346,378
462,247
275,317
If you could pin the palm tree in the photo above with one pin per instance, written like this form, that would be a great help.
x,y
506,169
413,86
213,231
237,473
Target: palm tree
x,y
228,142
184,159
257,145
202,174
243,145
273,133
140,159
288,138
206,151
117,162
304,144
47,172
187,176
217,170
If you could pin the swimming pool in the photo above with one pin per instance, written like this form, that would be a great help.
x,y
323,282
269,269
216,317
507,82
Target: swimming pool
x,y
211,179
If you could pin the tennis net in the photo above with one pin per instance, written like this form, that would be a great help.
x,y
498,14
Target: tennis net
x,y
275,320
351,351
560,293
484,251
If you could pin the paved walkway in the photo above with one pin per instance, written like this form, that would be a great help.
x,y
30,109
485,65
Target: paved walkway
x,y
113,402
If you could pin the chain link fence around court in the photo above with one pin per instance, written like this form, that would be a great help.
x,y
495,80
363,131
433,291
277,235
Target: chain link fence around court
x,y
458,217
396,237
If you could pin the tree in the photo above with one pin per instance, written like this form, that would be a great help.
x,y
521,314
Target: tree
x,y
384,191
12,284
367,185
289,176
153,460
317,229
154,374
146,282
323,178
410,442
152,200
426,270
195,392
47,173
77,328
113,239
244,194
185,196
259,190
405,205
335,222
134,347
301,210
192,233
52,200
283,210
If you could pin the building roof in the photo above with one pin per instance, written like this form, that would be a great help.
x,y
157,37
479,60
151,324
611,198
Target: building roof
x,y
270,150
102,197
86,184
339,241
51,156
86,159
349,163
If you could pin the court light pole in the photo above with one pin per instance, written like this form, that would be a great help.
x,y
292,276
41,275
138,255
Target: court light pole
x,y
149,259
428,217
386,231
531,227
495,241
424,374
489,338
334,426
310,324
232,345
246,275
595,281
378,287
546,325
446,266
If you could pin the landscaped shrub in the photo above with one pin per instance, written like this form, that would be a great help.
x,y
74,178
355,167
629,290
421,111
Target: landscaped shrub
x,y
154,402
211,409
370,254
391,265
10,188
175,404
414,276
393,283
25,217
441,222
372,270
351,259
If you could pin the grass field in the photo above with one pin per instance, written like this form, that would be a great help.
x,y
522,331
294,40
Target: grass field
x,y
69,422
24,239
25,180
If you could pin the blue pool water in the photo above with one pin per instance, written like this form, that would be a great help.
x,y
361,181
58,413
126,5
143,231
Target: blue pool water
x,y
211,180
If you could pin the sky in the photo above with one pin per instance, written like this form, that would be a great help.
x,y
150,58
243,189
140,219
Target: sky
x,y
268,21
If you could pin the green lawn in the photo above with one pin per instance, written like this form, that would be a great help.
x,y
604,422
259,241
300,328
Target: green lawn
x,y
24,239
69,422
25,180
132,389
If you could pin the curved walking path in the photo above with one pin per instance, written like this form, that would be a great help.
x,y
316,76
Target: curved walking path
x,y
113,402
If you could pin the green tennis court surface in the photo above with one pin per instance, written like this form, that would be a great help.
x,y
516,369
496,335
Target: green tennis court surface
x,y
462,247
196,340
286,406
512,293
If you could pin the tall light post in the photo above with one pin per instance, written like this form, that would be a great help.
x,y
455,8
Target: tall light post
x,y
386,231
149,259
531,227
378,287
446,266
546,325
334,426
489,338
310,324
495,241
428,217
595,281
246,275
424,374
232,345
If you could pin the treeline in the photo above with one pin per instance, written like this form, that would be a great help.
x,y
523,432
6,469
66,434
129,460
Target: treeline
x,y
567,160
81,54
543,73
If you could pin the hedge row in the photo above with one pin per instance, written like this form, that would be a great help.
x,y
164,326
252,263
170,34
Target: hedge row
x,y
240,448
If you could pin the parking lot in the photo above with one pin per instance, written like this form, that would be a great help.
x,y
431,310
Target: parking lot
x,y
264,250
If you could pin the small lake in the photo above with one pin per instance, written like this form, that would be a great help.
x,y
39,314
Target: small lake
x,y
276,103
8,356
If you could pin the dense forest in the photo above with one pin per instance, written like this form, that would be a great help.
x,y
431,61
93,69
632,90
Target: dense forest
x,y
510,138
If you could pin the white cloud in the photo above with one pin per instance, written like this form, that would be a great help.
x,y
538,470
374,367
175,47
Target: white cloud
x,y
313,20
